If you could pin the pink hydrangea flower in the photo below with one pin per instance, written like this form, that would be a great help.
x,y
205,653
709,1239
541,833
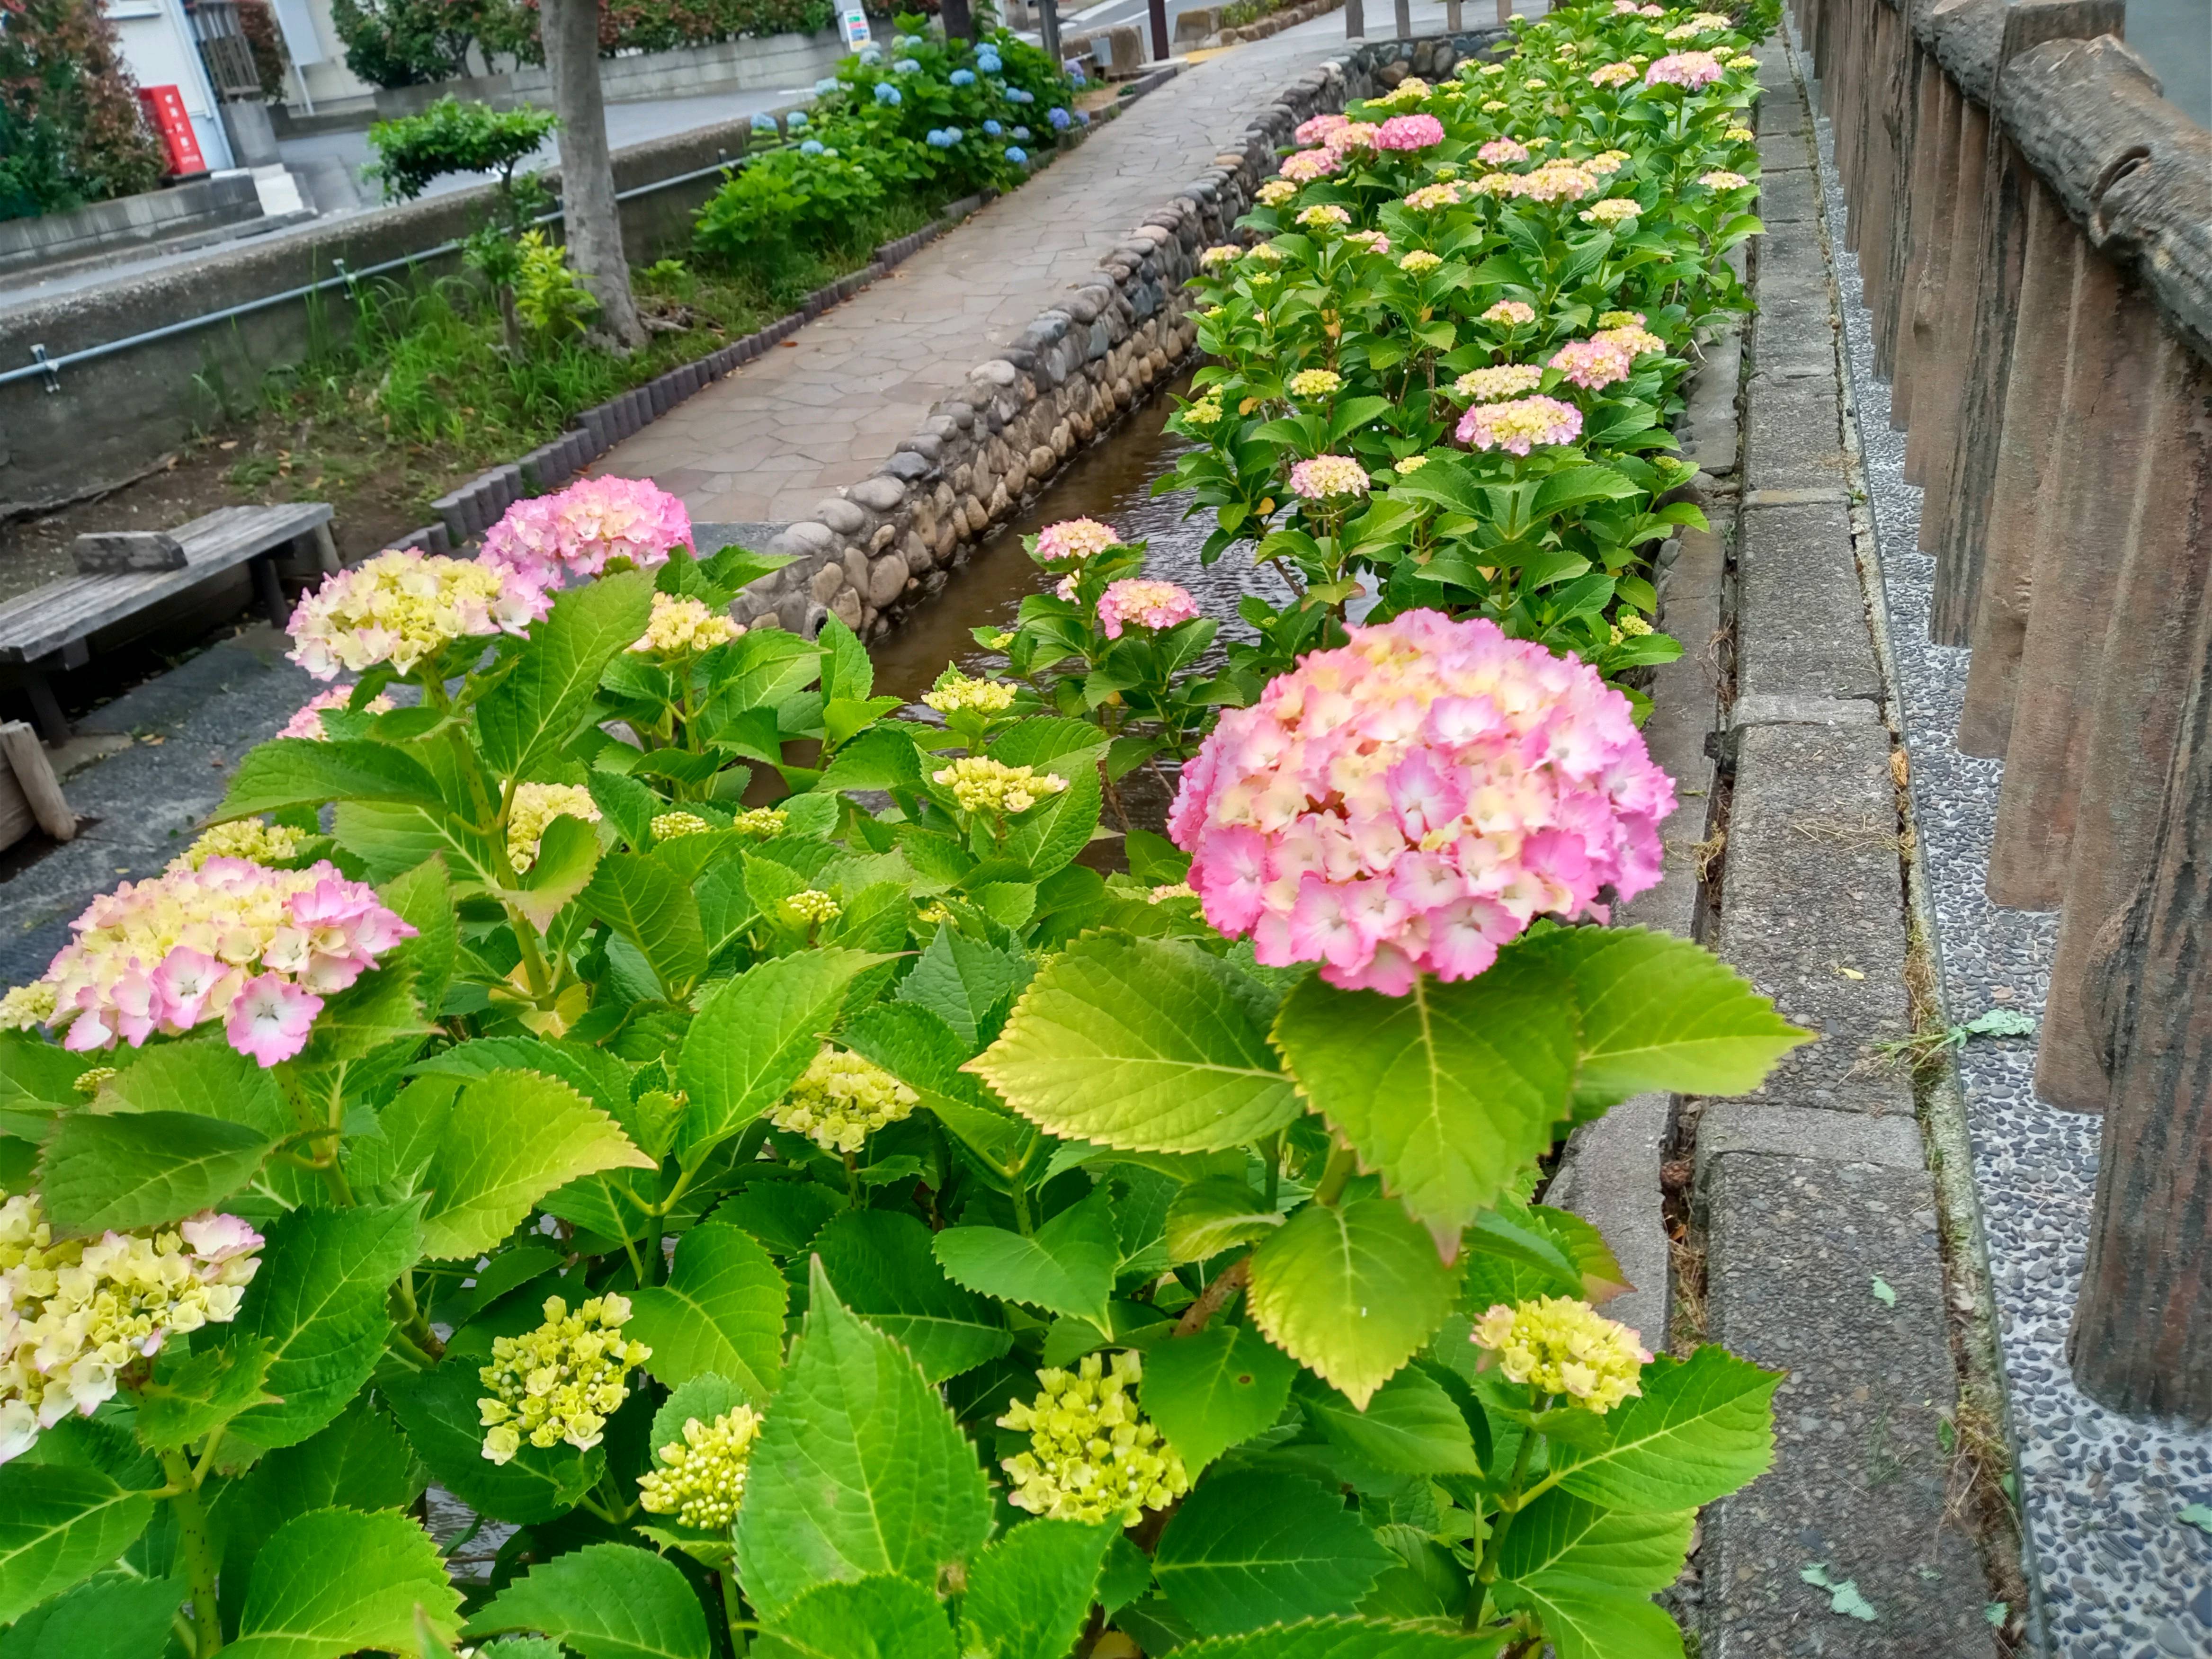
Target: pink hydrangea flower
x,y
1325,476
1555,181
1410,802
577,530
1409,133
1353,134
1303,167
1316,131
1502,152
1429,198
217,1238
163,957
1074,542
1518,427
1140,602
1590,364
308,722
1689,70
1510,313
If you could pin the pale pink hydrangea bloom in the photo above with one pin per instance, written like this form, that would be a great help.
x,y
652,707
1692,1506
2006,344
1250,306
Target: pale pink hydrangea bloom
x,y
1141,603
1556,181
307,722
1429,198
1496,184
1721,179
1490,385
1591,364
1410,802
232,941
1308,165
1373,241
1353,135
1510,313
1689,70
1633,339
1317,130
1410,132
1502,152
577,530
400,607
1517,428
1325,476
1074,541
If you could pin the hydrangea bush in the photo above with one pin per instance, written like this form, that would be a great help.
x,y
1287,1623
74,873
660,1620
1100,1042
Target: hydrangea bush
x,y
732,1136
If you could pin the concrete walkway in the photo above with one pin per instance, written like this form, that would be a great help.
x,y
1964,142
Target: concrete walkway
x,y
766,444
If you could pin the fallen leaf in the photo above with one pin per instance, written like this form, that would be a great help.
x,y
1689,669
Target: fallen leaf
x,y
2198,1515
1996,1613
1882,1293
1848,973
1844,1598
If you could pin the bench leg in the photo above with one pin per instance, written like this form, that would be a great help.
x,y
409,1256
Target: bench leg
x,y
326,551
270,590
46,707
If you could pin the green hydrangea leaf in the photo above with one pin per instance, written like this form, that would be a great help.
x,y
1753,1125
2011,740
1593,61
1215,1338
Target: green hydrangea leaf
x,y
1346,1639
755,1035
439,1410
1251,1548
1702,1428
1560,1533
332,1582
141,1169
191,1394
1029,1593
533,711
873,1619
1214,1215
208,1078
1350,1292
1586,1620
311,772
968,984
646,904
115,1616
882,1265
605,1601
861,1470
1067,1266
1145,1045
1410,1426
58,1525
721,1310
1215,1389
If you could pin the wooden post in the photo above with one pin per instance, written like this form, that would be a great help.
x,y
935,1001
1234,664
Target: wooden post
x,y
1048,29
1160,45
1355,20
34,775
1405,19
1454,19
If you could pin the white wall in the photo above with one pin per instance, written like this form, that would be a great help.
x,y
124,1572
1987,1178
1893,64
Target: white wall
x,y
329,80
157,45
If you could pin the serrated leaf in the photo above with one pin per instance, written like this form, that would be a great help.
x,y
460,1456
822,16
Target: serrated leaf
x,y
195,1394
333,1581
1214,1214
1215,1389
1027,1594
963,981
206,1079
884,1271
1251,1548
606,1602
721,1310
860,1469
37,1074
438,1410
1560,1533
317,1302
1346,1638
311,772
568,853
141,1169
58,1525
1067,1266
1591,1621
875,1617
1147,1045
1410,1426
501,1143
1702,1428
645,904
535,708
1350,1292
755,1035
115,1616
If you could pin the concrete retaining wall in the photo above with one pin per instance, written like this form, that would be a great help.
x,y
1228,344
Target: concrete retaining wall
x,y
774,60
226,198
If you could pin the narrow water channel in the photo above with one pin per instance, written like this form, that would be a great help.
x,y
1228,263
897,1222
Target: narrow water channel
x,y
1113,482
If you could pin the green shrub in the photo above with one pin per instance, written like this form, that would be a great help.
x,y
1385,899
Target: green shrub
x,y
406,43
70,131
548,299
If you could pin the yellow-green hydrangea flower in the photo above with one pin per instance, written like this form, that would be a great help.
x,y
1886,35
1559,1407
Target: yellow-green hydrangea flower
x,y
536,807
560,1381
668,826
245,838
27,1005
701,1479
841,1101
981,784
89,1081
1560,1345
814,905
1092,1455
955,693
761,823
1315,383
681,626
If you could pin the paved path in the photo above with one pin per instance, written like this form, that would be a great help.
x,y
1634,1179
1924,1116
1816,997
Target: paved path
x,y
766,444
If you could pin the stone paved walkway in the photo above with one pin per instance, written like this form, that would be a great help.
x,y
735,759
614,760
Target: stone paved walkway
x,y
766,444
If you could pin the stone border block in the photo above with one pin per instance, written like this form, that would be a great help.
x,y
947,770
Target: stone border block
x,y
1801,617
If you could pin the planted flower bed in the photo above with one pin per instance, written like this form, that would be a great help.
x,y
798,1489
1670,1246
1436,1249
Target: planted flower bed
x,y
609,1063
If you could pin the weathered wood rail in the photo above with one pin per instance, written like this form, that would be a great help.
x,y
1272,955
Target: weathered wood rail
x,y
2034,223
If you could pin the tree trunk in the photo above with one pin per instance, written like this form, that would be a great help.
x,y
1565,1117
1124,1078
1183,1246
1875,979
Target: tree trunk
x,y
570,29
2141,1341
959,23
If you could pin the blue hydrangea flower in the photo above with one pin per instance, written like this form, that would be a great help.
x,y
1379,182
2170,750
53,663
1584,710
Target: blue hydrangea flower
x,y
954,134
1020,97
1059,119
796,121
1021,133
1017,156
1076,76
988,62
888,94
935,138
763,122
961,77
871,55
825,86
812,147
1083,118
992,128
905,66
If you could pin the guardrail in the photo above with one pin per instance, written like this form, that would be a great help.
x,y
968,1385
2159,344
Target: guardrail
x,y
2034,222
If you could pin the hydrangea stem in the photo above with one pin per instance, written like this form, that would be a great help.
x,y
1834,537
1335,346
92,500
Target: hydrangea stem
x,y
1508,1505
197,1551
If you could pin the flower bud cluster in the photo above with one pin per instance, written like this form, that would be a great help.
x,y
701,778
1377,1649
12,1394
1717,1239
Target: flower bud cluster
x,y
684,627
560,1381
813,906
1559,1346
955,693
841,1101
761,823
536,806
74,1312
670,826
242,838
1092,1455
701,1478
981,784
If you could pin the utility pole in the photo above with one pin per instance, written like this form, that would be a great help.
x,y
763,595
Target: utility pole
x,y
1159,30
1048,29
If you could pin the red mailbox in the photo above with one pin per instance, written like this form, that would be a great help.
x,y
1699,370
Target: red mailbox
x,y
165,114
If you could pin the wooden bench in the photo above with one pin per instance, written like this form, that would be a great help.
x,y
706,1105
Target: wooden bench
x,y
51,627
